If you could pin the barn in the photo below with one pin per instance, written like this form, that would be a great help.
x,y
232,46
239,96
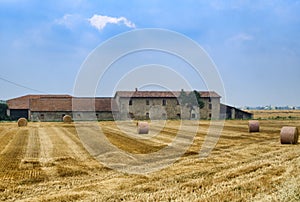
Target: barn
x,y
21,106
125,105
55,107
229,112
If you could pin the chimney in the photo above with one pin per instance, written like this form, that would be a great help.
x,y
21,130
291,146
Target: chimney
x,y
136,89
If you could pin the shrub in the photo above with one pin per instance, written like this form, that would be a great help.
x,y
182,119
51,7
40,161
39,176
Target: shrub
x,y
3,109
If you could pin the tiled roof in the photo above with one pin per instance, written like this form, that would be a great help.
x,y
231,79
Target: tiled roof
x,y
91,104
145,94
51,104
209,94
73,104
23,102
163,94
48,103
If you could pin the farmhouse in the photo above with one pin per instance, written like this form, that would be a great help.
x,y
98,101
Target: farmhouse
x,y
123,106
164,105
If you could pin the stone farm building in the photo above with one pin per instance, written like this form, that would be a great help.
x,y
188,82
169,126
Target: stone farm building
x,y
55,107
164,105
229,112
124,105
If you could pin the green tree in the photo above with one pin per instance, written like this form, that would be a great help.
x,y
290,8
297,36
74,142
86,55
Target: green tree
x,y
3,109
191,100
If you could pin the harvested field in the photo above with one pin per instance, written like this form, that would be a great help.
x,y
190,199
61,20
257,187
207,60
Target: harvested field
x,y
47,162
275,114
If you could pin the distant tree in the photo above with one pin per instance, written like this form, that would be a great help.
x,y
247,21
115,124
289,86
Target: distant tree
x,y
191,100
3,109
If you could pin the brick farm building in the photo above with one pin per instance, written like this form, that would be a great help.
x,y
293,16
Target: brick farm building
x,y
124,105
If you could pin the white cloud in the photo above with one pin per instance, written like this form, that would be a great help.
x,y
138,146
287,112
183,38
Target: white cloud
x,y
240,38
100,21
69,20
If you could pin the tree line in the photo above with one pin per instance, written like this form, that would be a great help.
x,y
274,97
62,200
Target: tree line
x,y
3,109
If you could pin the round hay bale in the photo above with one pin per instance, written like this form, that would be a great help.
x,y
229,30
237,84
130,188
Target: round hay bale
x,y
142,127
289,135
253,126
67,119
22,122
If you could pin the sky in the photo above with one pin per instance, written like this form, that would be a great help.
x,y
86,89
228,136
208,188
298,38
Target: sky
x,y
254,45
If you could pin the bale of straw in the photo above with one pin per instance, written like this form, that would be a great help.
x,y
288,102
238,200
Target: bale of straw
x,y
289,135
253,126
67,119
142,127
22,122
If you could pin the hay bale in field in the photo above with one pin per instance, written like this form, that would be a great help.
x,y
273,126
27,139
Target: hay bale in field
x,y
22,122
289,135
67,119
142,127
253,126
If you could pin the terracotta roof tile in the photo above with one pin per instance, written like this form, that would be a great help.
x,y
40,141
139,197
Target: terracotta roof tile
x,y
51,104
144,94
97,104
23,101
73,104
209,94
166,94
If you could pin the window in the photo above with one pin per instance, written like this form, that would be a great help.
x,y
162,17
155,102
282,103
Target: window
x,y
178,116
42,116
209,99
97,115
164,102
193,116
147,102
210,106
130,102
78,115
147,115
210,115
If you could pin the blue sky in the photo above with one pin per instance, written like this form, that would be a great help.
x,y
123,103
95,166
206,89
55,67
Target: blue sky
x,y
254,44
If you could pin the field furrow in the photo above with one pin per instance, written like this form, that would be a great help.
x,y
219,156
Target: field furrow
x,y
33,146
76,150
12,155
5,137
60,149
46,147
